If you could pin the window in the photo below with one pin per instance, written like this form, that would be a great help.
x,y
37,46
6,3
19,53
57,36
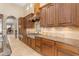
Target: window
x,y
28,6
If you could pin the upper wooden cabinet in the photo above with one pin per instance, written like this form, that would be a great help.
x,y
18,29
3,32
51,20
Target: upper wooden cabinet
x,y
59,14
77,15
43,17
67,14
29,23
47,15
50,15
22,29
22,25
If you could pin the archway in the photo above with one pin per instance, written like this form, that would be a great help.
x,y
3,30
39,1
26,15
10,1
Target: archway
x,y
11,25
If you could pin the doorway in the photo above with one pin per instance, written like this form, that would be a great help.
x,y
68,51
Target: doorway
x,y
11,26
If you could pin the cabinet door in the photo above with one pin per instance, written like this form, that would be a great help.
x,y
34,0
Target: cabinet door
x,y
47,50
24,39
33,43
57,7
48,47
38,44
50,15
77,11
43,17
65,11
28,41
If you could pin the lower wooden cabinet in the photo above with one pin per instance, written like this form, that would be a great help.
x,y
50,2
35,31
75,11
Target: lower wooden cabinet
x,y
33,43
38,44
23,38
63,52
48,47
66,50
28,41
47,50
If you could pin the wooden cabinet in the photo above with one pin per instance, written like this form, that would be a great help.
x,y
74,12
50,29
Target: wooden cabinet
x,y
38,44
43,17
44,46
66,50
50,15
59,14
29,23
47,15
48,47
33,43
29,41
22,29
77,15
67,14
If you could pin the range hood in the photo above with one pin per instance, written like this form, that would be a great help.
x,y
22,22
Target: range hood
x,y
35,18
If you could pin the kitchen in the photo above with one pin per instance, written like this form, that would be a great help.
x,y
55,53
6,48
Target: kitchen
x,y
49,29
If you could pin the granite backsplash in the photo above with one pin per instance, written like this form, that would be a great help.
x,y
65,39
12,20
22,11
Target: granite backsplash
x,y
68,32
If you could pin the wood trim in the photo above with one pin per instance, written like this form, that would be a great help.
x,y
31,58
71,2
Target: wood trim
x,y
44,5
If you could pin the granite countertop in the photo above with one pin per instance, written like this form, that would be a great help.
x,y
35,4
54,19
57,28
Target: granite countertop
x,y
70,41
6,48
73,42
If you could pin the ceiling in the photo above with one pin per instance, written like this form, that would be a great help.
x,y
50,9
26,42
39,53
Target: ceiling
x,y
22,4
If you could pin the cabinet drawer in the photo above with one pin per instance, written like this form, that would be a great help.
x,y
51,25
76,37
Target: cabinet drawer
x,y
48,42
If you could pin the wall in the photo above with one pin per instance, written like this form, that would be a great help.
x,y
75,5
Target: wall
x,y
29,10
9,9
67,32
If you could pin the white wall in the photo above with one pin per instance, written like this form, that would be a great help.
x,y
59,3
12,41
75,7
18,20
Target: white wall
x,y
9,9
29,10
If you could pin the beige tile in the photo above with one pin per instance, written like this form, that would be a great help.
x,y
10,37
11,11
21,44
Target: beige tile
x,y
20,49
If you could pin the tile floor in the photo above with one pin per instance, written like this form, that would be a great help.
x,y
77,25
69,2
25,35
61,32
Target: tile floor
x,y
19,48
